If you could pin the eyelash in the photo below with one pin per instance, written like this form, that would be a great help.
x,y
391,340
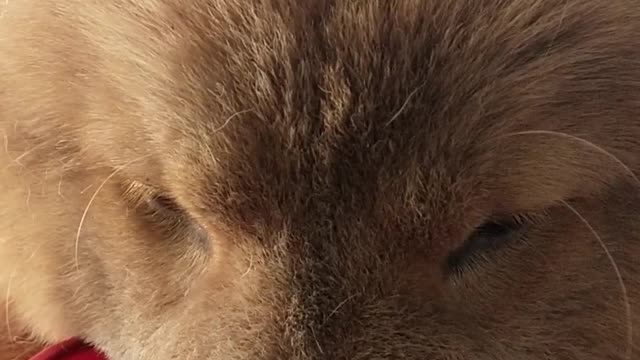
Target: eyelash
x,y
162,212
492,235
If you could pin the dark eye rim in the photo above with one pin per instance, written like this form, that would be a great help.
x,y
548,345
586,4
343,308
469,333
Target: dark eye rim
x,y
491,236
163,214
160,203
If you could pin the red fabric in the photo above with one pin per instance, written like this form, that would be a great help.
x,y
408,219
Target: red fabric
x,y
69,350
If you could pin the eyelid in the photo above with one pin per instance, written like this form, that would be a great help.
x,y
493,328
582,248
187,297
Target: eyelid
x,y
514,226
160,209
143,195
517,219
153,203
138,193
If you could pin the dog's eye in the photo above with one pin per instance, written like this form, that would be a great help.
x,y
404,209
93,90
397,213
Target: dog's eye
x,y
489,236
164,214
163,205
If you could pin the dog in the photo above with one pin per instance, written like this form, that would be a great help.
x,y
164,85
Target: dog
x,y
321,179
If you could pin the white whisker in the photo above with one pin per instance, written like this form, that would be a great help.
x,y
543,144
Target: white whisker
x,y
342,303
60,186
26,153
233,116
582,141
616,269
249,267
86,189
629,172
92,199
404,105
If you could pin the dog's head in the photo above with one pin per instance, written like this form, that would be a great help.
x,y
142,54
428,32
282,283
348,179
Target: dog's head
x,y
333,180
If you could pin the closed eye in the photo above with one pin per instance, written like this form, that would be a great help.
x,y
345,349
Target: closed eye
x,y
163,214
486,238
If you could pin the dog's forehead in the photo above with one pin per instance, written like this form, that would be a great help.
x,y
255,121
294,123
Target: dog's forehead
x,y
362,107
368,180
338,100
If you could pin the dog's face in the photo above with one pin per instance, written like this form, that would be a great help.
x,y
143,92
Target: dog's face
x,y
324,180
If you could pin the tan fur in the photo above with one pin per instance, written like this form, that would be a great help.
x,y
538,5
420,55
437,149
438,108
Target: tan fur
x,y
320,161
14,345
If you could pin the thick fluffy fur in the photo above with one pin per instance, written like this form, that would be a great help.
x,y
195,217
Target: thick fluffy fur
x,y
319,160
14,345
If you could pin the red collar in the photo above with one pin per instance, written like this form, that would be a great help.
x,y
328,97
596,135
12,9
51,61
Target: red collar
x,y
72,349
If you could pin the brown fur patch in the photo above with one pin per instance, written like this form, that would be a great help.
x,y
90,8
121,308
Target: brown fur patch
x,y
279,179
